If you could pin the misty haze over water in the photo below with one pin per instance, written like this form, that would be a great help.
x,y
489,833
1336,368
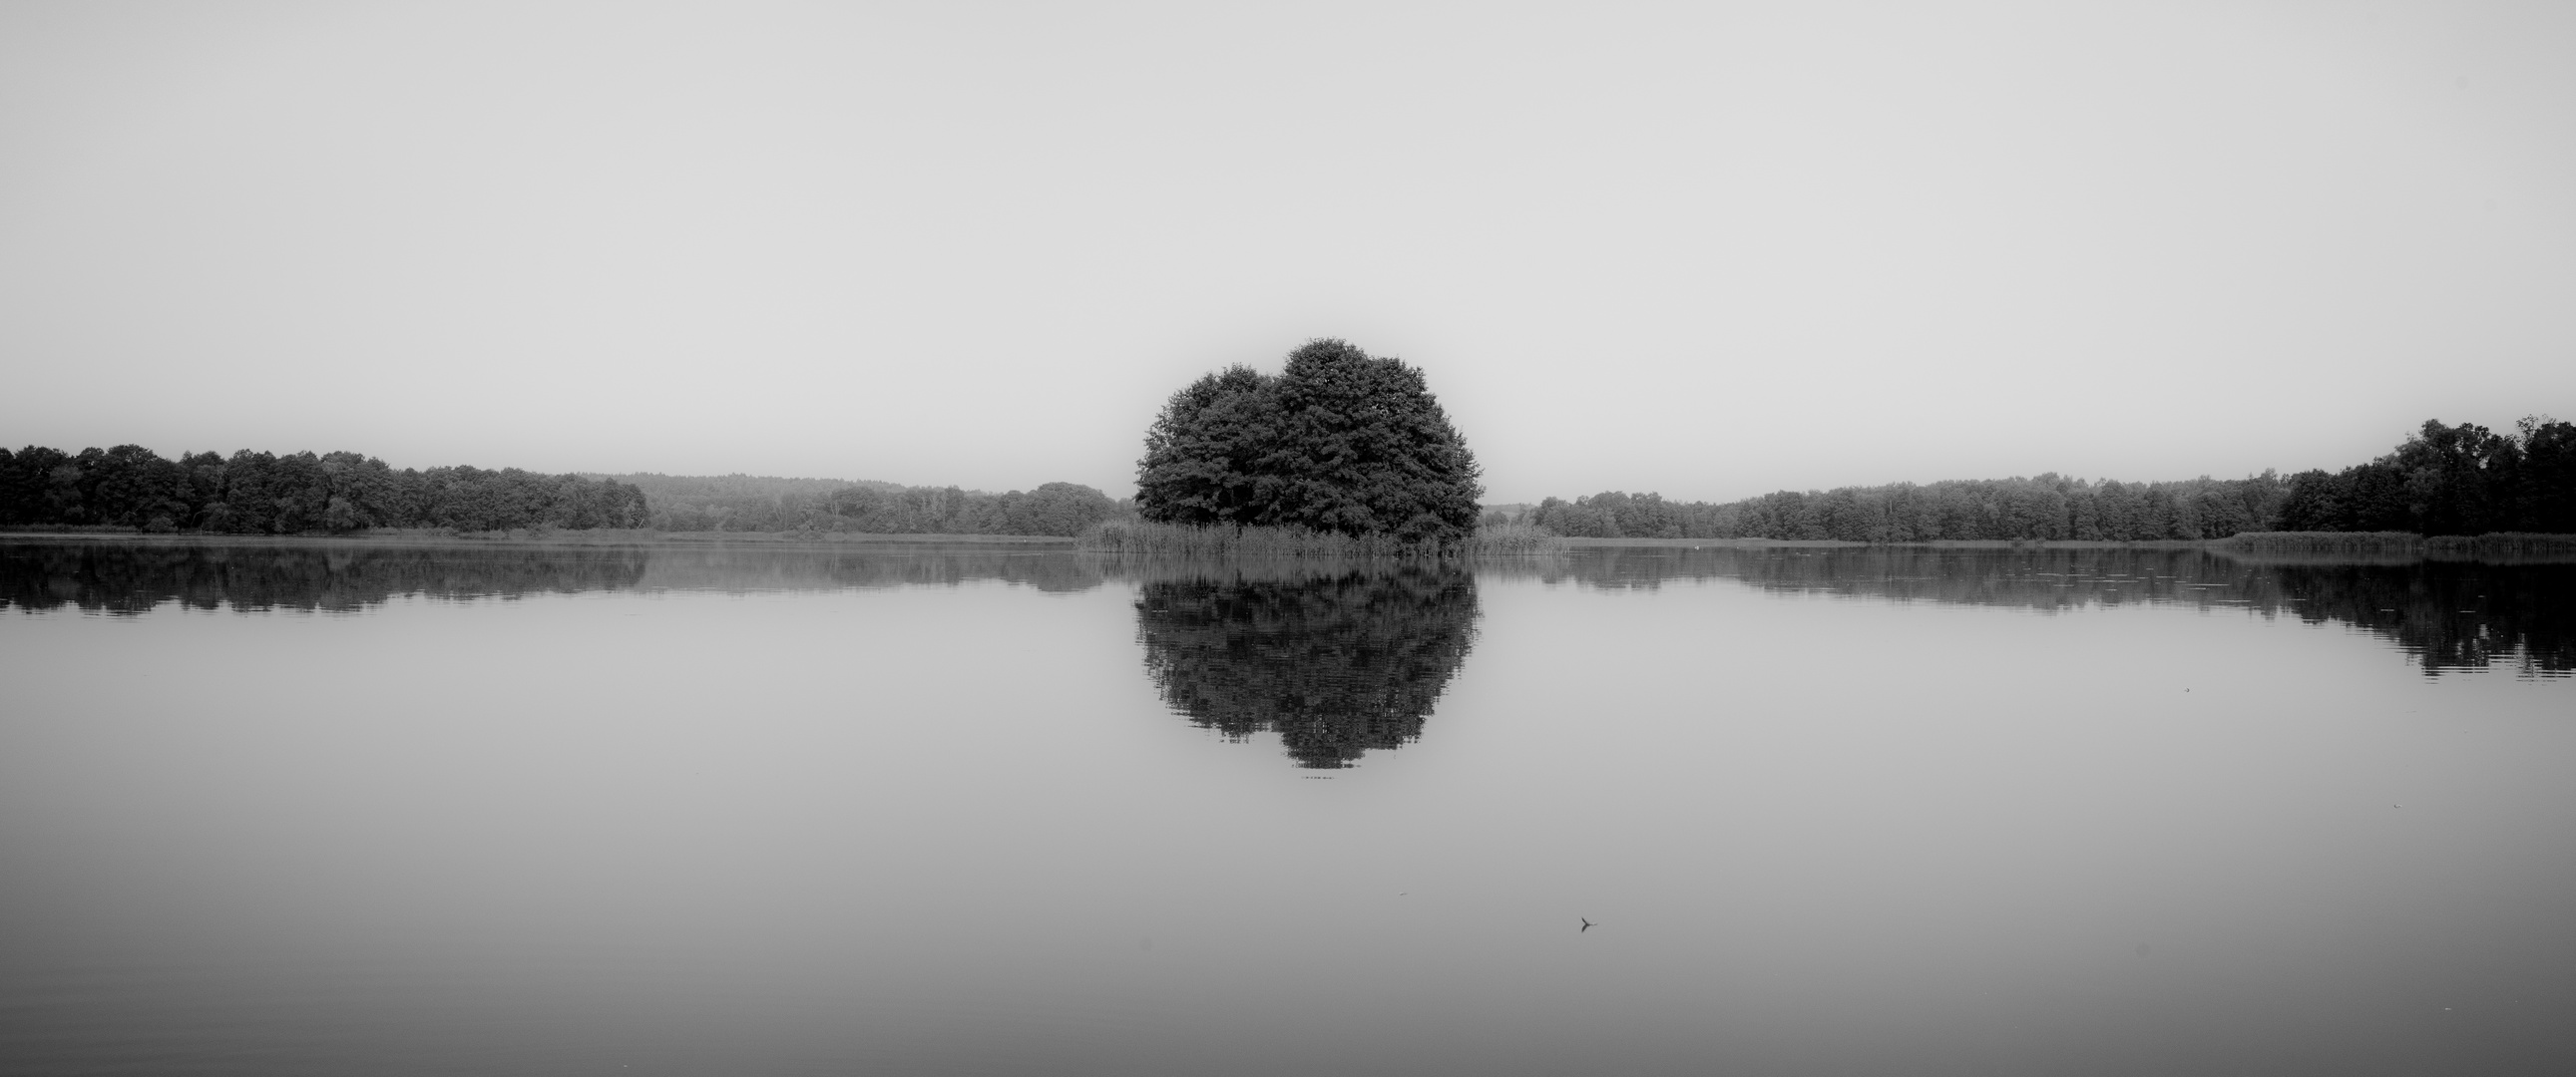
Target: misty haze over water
x,y
435,649
366,807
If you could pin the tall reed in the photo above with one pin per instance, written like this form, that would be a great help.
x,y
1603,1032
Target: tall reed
x,y
1144,539
1510,539
2399,542
2324,541
2502,542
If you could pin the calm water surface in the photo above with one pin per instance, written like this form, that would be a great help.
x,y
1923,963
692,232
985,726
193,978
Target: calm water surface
x,y
362,809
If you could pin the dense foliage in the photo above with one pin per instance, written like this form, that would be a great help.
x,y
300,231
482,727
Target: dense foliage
x,y
130,486
260,493
2444,480
754,503
2448,480
1339,441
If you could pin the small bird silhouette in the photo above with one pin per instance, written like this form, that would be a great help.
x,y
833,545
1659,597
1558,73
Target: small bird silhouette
x,y
1587,926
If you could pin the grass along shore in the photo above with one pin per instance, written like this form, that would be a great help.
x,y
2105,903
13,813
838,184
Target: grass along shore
x,y
2501,542
1127,537
1132,538
600,536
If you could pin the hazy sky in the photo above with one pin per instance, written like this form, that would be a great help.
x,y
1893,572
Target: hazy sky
x,y
1703,249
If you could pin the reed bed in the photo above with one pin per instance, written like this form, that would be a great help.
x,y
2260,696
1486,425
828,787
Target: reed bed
x,y
1514,539
2399,542
1135,538
2501,542
1138,568
2323,541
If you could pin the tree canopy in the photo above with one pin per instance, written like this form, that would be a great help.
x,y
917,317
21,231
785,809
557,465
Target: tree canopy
x,y
272,494
1338,441
2449,480
261,493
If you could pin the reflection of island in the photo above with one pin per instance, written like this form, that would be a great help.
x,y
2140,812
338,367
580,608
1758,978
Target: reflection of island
x,y
2446,614
130,577
1337,664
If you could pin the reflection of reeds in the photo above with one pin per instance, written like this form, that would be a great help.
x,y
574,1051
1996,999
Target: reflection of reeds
x,y
1131,538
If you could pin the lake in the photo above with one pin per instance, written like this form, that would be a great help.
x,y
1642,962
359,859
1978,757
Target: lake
x,y
362,808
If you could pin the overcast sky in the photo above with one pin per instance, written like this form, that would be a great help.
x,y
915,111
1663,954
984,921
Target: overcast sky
x,y
1703,249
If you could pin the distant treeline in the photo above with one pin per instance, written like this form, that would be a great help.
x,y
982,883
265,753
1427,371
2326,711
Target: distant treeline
x,y
260,493
756,503
2445,480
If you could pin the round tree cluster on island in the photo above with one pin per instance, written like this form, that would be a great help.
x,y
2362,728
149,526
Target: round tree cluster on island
x,y
1338,441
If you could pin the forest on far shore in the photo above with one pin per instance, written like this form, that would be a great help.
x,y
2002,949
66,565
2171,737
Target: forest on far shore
x,y
258,493
2443,480
760,503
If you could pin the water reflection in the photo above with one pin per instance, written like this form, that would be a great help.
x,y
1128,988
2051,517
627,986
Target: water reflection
x,y
134,577
834,568
2447,615
125,578
926,829
1336,662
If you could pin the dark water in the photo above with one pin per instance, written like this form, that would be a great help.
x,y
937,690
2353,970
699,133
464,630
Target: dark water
x,y
350,808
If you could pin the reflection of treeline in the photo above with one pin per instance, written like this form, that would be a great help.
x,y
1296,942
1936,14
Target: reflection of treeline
x,y
759,503
2444,480
2449,614
1335,663
130,486
134,577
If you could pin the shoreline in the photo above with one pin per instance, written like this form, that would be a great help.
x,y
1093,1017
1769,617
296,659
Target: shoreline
x,y
2337,547
593,537
1934,544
